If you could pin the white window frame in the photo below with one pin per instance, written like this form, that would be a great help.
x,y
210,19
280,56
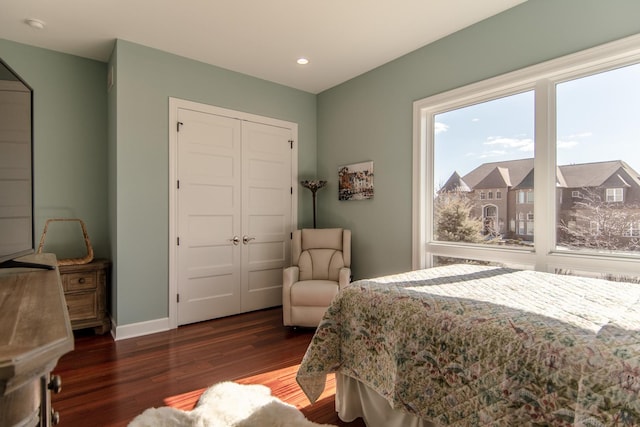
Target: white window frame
x,y
542,78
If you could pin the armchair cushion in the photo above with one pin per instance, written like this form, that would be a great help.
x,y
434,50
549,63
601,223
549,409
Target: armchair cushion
x,y
310,293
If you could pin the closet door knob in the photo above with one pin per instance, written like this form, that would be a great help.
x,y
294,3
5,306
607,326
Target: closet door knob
x,y
246,239
235,240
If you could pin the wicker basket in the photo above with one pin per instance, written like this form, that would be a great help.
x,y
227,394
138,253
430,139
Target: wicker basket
x,y
70,261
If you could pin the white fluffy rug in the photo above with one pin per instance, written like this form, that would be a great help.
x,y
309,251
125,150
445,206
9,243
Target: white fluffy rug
x,y
229,404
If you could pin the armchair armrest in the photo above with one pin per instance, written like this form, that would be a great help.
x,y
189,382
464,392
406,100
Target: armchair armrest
x,y
344,277
290,276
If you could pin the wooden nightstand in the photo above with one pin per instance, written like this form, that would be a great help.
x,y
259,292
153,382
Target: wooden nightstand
x,y
86,295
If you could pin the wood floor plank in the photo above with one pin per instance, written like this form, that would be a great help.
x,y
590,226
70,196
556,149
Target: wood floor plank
x,y
107,383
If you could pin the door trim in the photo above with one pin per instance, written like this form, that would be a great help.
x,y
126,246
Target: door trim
x,y
174,105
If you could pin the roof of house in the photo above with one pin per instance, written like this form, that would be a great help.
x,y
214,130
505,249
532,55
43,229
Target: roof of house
x,y
455,183
516,171
599,174
519,174
498,177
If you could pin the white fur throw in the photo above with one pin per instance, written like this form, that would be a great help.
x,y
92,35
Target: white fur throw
x,y
229,404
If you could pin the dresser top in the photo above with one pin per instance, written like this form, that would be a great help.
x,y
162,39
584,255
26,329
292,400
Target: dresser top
x,y
35,329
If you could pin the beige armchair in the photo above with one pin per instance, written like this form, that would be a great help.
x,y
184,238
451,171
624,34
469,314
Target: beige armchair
x,y
321,261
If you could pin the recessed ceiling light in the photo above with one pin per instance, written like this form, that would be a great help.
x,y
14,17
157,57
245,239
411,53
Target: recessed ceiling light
x,y
35,23
302,61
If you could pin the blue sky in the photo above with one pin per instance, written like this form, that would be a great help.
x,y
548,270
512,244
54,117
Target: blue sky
x,y
598,120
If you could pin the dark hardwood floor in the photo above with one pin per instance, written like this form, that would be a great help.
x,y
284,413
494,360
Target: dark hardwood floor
x,y
108,383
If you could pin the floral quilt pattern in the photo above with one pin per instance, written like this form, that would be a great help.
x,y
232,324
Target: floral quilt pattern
x,y
468,345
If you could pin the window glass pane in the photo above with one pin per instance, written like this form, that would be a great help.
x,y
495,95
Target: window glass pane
x,y
598,155
439,261
480,151
614,277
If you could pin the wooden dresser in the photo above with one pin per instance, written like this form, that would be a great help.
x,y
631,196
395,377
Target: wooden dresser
x,y
85,291
35,332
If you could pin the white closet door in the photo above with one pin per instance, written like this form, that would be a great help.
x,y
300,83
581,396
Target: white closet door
x,y
209,211
234,214
266,213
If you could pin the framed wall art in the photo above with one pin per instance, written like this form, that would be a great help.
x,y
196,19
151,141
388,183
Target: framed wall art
x,y
355,181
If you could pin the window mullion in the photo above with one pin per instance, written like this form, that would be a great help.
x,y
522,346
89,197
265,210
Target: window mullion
x,y
545,176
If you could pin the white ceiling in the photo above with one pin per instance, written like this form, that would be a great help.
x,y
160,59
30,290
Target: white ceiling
x,y
261,38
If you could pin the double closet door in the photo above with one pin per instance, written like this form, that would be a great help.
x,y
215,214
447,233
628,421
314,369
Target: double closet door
x,y
234,206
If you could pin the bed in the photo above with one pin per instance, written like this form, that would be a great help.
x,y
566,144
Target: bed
x,y
467,345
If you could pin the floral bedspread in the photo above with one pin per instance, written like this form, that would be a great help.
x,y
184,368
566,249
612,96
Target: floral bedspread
x,y
468,345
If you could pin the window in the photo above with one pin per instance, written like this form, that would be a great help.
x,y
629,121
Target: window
x,y
633,230
525,196
460,153
521,224
530,224
614,194
584,111
596,114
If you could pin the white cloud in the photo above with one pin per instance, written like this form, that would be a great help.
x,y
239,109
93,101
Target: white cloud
x,y
524,144
566,144
440,127
475,120
580,135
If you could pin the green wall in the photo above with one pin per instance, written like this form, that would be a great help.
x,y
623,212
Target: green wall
x,y
70,135
370,117
103,156
145,78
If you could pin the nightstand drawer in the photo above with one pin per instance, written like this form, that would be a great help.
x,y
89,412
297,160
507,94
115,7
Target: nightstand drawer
x,y
79,281
82,305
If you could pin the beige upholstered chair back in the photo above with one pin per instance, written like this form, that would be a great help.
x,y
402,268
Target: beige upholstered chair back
x,y
321,253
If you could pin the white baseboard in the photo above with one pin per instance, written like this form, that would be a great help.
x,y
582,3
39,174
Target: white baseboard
x,y
139,329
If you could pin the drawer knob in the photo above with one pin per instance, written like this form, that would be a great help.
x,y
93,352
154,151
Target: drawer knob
x,y
55,384
55,417
81,280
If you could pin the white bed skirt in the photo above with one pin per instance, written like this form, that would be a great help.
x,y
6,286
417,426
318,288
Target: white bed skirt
x,y
354,399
